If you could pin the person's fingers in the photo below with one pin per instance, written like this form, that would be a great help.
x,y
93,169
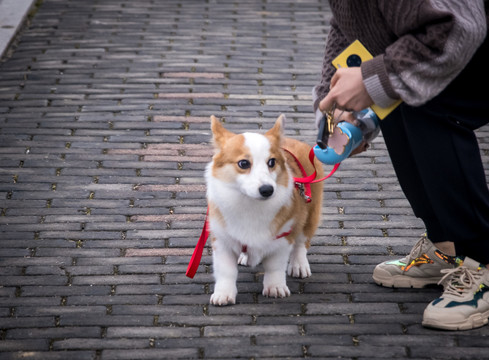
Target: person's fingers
x,y
342,115
334,79
327,103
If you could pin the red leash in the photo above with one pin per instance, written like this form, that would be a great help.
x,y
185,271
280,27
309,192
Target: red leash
x,y
199,249
305,181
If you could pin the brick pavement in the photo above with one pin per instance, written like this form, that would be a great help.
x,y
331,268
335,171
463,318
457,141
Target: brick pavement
x,y
104,136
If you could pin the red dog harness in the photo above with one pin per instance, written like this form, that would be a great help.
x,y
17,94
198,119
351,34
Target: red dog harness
x,y
303,184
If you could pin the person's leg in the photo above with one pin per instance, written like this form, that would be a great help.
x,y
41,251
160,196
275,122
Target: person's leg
x,y
448,160
437,160
408,173
443,177
424,263
464,213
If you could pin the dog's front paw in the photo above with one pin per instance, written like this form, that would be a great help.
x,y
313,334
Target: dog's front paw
x,y
277,290
299,265
299,269
223,298
243,259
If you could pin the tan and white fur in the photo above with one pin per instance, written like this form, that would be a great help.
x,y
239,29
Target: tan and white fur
x,y
252,198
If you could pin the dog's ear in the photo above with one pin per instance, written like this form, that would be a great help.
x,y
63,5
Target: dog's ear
x,y
219,133
277,130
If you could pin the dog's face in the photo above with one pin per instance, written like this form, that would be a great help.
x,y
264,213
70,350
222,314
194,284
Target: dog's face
x,y
252,163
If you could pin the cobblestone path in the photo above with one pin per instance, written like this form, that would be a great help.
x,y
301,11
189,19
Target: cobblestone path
x,y
104,135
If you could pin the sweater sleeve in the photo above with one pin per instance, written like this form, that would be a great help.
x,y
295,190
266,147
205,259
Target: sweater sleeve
x,y
435,41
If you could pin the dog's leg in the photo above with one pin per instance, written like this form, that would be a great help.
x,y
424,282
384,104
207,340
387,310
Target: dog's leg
x,y
275,265
243,257
225,273
298,263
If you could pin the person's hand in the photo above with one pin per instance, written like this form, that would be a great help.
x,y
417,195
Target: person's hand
x,y
347,91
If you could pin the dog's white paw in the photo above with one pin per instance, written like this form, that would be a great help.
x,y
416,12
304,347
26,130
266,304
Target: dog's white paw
x,y
276,290
243,259
223,298
299,269
298,264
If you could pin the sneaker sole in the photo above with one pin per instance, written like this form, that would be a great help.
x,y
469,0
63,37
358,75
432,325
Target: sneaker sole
x,y
403,281
472,322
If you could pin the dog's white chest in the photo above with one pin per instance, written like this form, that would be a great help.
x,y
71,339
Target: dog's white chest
x,y
249,228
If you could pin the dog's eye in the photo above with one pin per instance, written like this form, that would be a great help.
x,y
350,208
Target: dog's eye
x,y
271,163
244,164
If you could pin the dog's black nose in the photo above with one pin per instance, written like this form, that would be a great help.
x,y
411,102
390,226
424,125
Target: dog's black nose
x,y
266,190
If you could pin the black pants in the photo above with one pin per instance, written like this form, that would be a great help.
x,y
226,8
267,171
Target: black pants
x,y
437,160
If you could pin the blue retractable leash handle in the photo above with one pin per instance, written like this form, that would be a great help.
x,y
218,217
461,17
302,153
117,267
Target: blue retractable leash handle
x,y
355,135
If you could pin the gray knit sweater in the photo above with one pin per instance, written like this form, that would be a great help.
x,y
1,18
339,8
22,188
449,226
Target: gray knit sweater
x,y
419,46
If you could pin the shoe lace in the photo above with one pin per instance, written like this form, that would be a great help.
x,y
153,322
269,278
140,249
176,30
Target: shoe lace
x,y
459,281
416,251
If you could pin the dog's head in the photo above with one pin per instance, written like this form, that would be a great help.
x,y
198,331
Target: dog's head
x,y
253,163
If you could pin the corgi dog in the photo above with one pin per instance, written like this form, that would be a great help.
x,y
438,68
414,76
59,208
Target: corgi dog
x,y
255,213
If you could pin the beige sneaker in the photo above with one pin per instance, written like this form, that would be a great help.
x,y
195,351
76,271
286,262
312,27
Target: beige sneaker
x,y
465,302
420,268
